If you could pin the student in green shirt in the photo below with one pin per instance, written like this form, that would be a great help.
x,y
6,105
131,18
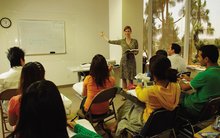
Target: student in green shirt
x,y
205,84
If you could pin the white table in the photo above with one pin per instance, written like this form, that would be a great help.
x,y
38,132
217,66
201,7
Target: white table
x,y
195,69
80,70
78,87
83,122
67,103
83,69
131,95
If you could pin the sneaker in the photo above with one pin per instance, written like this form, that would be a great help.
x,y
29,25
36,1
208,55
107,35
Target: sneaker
x,y
131,86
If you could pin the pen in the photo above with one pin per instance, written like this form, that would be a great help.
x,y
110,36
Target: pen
x,y
73,118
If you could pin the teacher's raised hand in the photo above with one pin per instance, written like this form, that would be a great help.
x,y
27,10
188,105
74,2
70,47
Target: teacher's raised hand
x,y
102,34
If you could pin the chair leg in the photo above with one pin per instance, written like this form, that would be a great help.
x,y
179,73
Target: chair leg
x,y
106,130
174,133
114,110
6,128
124,134
188,131
184,127
3,130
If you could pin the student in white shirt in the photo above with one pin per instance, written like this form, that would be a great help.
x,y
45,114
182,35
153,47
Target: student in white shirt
x,y
10,79
177,62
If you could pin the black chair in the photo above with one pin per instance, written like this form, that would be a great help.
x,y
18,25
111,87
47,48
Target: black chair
x,y
159,121
190,126
104,95
188,73
4,97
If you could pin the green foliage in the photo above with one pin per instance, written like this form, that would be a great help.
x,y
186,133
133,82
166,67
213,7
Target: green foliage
x,y
167,31
200,21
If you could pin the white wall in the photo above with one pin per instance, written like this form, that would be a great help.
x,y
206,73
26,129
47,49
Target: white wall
x,y
115,28
132,11
122,13
84,20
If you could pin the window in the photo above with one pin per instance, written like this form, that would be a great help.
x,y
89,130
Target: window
x,y
165,22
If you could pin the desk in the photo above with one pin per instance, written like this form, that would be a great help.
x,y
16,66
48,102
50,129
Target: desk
x,y
131,95
67,103
78,87
83,70
207,129
195,69
83,122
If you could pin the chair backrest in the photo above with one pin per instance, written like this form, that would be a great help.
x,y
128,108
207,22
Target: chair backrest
x,y
188,73
7,94
105,95
210,109
159,121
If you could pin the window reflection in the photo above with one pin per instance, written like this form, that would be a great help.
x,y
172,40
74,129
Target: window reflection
x,y
168,25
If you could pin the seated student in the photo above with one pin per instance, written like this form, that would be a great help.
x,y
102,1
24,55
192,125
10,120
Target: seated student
x,y
163,94
10,79
205,83
161,52
97,80
31,72
177,62
42,113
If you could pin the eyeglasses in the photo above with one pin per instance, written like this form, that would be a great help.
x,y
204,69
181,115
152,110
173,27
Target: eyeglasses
x,y
127,31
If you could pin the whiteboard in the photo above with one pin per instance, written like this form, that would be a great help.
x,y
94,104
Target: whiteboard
x,y
42,36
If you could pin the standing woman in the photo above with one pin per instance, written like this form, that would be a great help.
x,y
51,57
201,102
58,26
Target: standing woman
x,y
128,62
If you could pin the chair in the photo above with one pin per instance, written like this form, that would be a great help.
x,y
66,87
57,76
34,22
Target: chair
x,y
159,121
190,126
104,95
188,73
5,96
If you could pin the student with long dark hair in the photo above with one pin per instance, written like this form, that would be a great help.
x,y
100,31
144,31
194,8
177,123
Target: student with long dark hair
x,y
31,72
97,80
42,113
